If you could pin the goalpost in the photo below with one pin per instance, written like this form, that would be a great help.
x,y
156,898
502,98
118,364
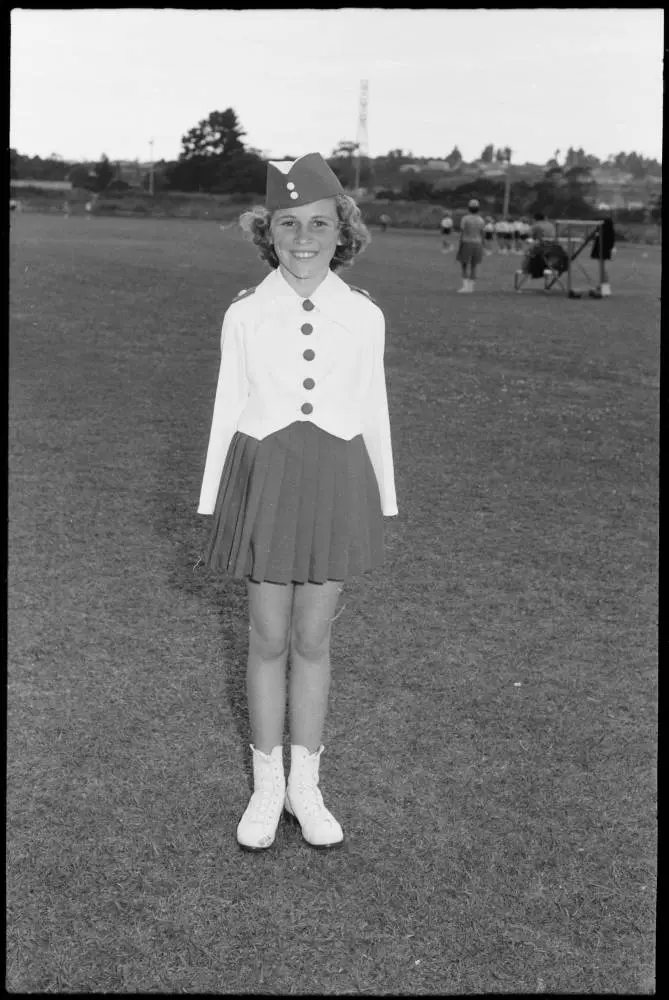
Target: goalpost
x,y
573,236
577,234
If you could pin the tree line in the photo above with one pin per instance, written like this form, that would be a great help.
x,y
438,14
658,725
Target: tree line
x,y
215,159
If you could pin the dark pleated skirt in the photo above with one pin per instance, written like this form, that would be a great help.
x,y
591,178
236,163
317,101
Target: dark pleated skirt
x,y
469,253
299,506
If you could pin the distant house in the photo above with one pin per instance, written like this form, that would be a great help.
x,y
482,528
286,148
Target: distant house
x,y
620,189
410,168
42,185
131,171
491,170
611,176
443,165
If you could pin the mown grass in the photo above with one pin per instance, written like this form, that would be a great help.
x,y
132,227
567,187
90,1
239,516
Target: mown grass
x,y
490,748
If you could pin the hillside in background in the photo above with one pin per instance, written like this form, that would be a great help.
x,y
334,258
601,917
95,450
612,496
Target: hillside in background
x,y
625,182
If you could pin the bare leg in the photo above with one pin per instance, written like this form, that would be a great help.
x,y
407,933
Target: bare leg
x,y
269,629
313,610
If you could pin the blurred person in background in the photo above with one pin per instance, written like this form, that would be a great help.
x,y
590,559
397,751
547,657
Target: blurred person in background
x,y
603,249
542,229
446,226
489,235
501,229
470,249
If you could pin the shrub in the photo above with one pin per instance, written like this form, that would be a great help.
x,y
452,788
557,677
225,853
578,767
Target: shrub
x,y
118,185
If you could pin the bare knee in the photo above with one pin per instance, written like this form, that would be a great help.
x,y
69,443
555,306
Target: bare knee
x,y
269,642
269,620
310,642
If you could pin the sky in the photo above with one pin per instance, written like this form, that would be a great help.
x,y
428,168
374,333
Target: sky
x,y
88,82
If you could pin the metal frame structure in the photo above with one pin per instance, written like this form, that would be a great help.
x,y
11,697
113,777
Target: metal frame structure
x,y
362,142
577,234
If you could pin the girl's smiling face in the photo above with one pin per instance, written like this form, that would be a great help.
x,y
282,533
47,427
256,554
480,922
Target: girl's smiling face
x,y
305,240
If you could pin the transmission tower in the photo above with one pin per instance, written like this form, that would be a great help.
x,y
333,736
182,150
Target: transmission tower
x,y
361,139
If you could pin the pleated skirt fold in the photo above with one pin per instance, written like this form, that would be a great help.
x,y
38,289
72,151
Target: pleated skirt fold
x,y
299,506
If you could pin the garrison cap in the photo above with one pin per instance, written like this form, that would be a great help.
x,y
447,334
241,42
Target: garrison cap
x,y
299,182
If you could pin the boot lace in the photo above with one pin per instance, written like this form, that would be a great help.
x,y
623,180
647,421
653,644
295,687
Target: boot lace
x,y
311,802
264,799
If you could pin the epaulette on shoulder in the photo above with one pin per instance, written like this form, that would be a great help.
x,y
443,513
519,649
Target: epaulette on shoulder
x,y
363,291
244,294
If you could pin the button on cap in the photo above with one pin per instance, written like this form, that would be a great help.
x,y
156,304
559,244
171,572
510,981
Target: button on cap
x,y
308,383
307,328
306,407
307,305
308,355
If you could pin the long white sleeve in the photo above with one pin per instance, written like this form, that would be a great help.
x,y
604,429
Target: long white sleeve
x,y
377,427
231,395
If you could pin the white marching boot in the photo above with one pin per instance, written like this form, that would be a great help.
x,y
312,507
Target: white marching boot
x,y
257,827
466,285
605,289
304,801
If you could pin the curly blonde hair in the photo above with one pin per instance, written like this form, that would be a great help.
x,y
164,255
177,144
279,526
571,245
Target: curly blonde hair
x,y
354,233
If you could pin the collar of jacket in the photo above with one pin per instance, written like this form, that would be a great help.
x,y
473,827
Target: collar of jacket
x,y
333,297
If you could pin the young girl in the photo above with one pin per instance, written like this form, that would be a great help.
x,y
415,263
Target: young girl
x,y
470,250
298,475
446,229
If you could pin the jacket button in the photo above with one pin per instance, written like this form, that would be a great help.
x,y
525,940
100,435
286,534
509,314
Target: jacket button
x,y
308,383
308,355
307,305
306,407
307,328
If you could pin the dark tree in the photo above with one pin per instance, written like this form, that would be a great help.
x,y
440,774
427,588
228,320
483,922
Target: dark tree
x,y
487,154
243,172
160,176
213,157
118,184
418,189
656,209
82,175
104,173
343,169
454,158
345,147
219,135
636,165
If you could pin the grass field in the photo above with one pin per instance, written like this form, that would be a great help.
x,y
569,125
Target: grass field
x,y
491,742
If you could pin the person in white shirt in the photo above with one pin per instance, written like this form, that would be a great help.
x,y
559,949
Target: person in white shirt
x,y
502,230
298,474
508,236
524,234
446,227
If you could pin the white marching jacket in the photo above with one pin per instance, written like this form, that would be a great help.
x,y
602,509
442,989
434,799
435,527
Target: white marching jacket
x,y
285,358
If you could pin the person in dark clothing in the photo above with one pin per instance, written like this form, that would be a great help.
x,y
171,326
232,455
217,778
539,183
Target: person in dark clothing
x,y
602,249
